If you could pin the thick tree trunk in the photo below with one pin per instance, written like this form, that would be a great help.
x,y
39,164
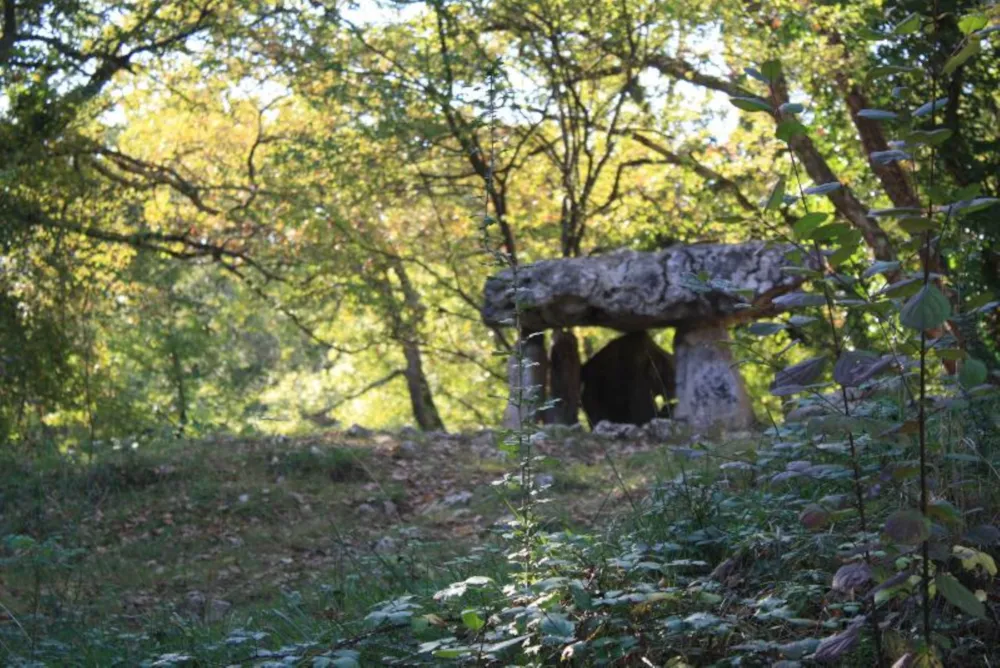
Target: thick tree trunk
x,y
421,399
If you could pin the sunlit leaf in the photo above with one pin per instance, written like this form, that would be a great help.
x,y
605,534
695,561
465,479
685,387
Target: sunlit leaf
x,y
771,70
789,129
750,103
907,26
971,23
971,48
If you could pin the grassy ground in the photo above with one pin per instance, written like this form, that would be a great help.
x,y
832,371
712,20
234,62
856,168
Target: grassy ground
x,y
194,538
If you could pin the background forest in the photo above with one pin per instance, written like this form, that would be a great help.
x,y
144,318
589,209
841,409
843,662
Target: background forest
x,y
250,217
232,228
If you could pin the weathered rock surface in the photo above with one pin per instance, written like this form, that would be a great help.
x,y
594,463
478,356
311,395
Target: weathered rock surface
x,y
526,375
564,379
710,390
633,291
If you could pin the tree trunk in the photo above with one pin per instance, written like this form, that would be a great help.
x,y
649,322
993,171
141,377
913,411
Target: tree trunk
x,y
421,399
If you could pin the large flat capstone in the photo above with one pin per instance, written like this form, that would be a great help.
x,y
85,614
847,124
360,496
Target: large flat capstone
x,y
631,291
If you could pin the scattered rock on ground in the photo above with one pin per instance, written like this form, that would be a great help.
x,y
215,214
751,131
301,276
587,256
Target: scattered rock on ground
x,y
357,431
457,498
617,431
662,429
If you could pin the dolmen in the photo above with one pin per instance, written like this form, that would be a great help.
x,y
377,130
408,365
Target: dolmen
x,y
699,290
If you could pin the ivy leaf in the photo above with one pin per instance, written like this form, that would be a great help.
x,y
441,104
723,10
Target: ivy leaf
x,y
878,114
907,527
823,188
792,379
927,309
971,48
929,107
750,103
472,620
971,23
972,373
957,594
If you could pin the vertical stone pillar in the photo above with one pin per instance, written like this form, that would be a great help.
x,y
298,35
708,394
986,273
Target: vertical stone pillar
x,y
526,373
710,389
564,379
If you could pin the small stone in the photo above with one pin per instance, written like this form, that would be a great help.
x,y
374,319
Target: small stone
x,y
617,431
357,431
457,498
544,480
409,432
385,545
244,498
366,509
217,610
408,448
390,508
662,429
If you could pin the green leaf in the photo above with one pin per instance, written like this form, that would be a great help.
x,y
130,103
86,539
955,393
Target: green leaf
x,y
789,129
878,114
881,267
957,594
472,620
929,137
807,223
777,196
887,70
907,26
830,231
971,23
925,109
793,379
750,103
842,254
916,224
823,188
927,309
791,108
982,299
971,48
972,373
765,328
771,70
557,625
907,527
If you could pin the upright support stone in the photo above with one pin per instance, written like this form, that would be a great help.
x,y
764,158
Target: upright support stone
x,y
710,389
564,379
526,372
